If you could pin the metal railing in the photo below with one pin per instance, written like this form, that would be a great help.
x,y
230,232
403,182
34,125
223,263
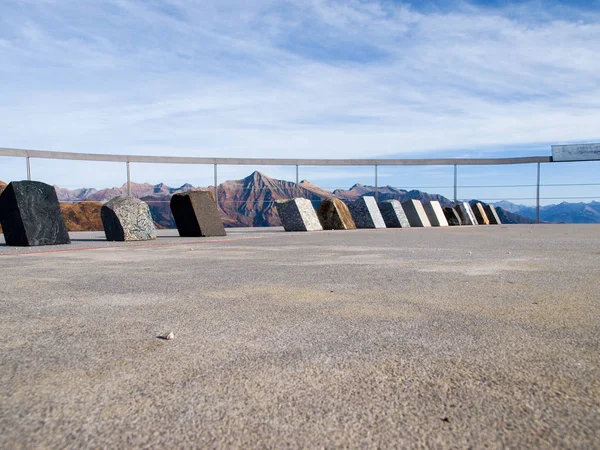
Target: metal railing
x,y
375,163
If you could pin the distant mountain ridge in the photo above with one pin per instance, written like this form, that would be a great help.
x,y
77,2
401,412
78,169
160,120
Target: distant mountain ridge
x,y
561,213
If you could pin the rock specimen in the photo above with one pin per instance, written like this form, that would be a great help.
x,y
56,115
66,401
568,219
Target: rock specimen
x,y
30,215
480,214
335,215
365,213
465,213
127,219
492,215
298,214
196,214
393,214
452,217
435,214
417,217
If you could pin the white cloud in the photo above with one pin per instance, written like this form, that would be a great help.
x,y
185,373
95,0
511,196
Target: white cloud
x,y
292,78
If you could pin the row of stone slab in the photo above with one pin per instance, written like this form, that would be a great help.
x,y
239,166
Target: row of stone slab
x,y
30,215
298,214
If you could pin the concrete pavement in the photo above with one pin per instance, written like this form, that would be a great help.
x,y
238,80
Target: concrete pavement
x,y
441,338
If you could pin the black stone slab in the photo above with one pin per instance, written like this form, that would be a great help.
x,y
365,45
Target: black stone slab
x,y
417,217
452,217
30,215
393,214
196,214
492,214
480,215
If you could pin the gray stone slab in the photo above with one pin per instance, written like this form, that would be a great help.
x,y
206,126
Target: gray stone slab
x,y
196,214
452,217
335,215
298,214
365,213
492,214
417,217
127,219
393,214
480,214
435,214
30,215
465,213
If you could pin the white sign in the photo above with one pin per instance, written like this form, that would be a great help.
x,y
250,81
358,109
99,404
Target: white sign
x,y
576,152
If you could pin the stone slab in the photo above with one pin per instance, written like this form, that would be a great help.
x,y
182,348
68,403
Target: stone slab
x,y
335,215
30,215
492,214
480,214
196,214
393,214
465,213
435,214
417,217
127,219
298,214
365,213
452,217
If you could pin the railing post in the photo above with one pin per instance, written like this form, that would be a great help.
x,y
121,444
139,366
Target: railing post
x,y
297,175
216,187
455,183
537,196
28,168
128,180
376,185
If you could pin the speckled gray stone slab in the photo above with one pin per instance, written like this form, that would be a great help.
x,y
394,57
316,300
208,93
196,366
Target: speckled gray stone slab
x,y
393,214
196,214
492,214
298,214
452,217
417,217
127,219
30,215
435,214
365,213
465,213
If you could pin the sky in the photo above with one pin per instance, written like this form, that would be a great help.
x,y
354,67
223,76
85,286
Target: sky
x,y
303,79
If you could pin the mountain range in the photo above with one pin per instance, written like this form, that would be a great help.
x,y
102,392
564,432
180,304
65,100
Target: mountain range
x,y
250,202
561,213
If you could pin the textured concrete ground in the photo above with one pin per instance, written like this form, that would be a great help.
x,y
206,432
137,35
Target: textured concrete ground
x,y
472,337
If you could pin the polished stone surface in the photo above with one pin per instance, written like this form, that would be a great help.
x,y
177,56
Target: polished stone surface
x,y
196,214
30,215
465,213
452,217
335,215
298,214
480,215
492,214
417,217
127,219
365,213
435,214
393,214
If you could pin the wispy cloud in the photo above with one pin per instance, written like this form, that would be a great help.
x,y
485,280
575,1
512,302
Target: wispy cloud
x,y
295,78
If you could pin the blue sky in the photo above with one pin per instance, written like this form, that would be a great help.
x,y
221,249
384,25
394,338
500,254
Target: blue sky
x,y
300,78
